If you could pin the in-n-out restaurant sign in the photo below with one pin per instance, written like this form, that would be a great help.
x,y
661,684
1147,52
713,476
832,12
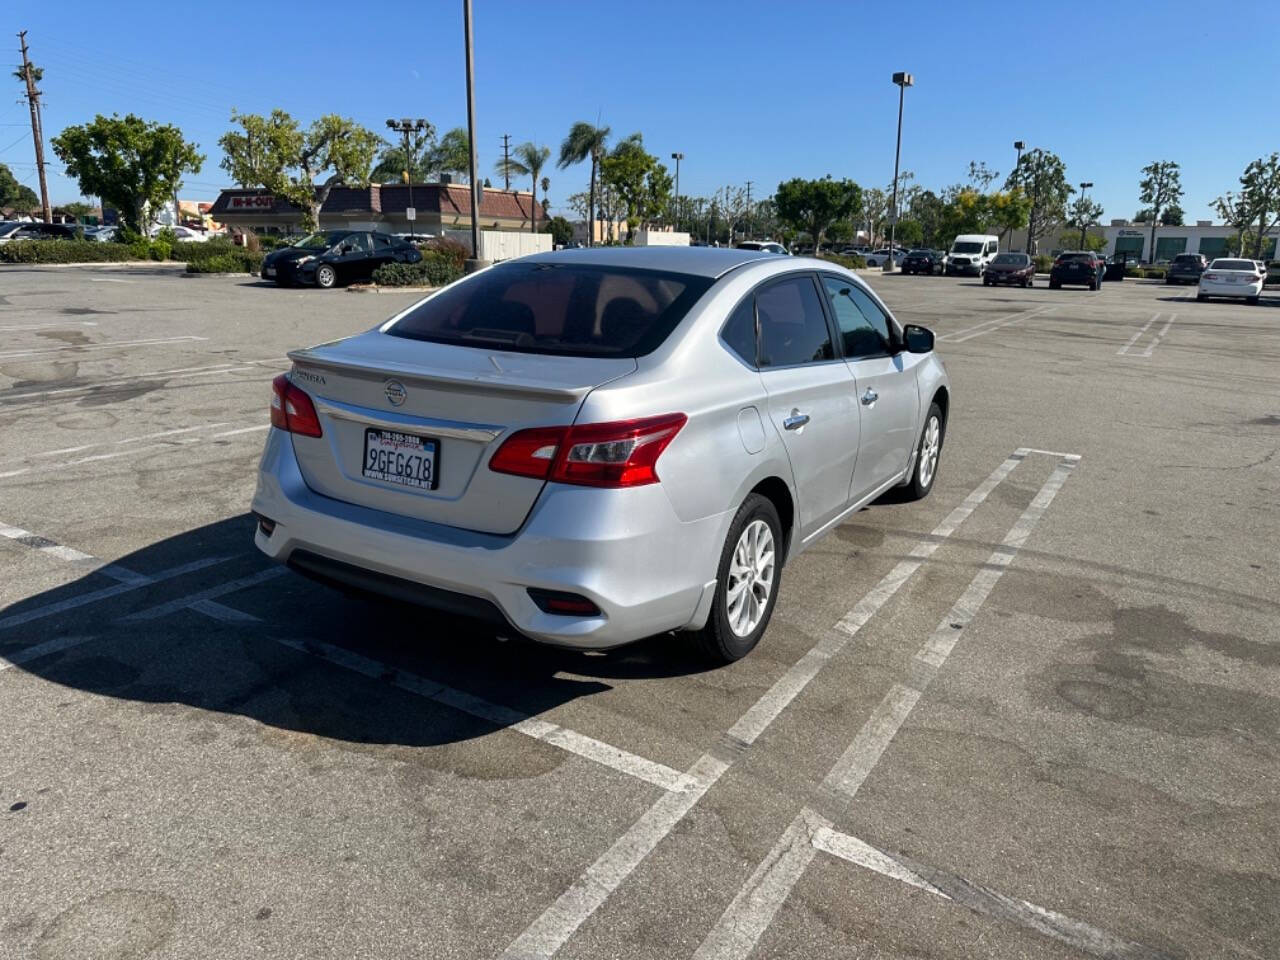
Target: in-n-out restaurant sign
x,y
256,202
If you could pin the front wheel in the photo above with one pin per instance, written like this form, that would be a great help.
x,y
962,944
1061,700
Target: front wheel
x,y
927,454
747,582
326,276
1202,297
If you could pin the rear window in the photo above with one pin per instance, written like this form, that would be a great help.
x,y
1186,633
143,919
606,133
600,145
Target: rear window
x,y
1021,259
1234,265
561,309
1069,257
1187,258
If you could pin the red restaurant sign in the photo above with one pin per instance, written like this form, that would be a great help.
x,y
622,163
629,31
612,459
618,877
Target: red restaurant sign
x,y
260,202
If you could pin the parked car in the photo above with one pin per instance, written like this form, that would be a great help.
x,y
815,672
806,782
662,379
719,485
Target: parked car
x,y
1115,268
765,246
923,261
1016,268
878,258
182,234
101,234
1077,267
597,446
1186,268
37,230
1231,277
971,252
331,257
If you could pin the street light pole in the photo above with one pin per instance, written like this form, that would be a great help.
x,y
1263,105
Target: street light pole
x,y
475,262
903,80
407,126
1083,224
1018,145
677,157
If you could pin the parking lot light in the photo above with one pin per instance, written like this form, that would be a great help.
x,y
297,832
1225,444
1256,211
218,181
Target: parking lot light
x,y
1083,226
406,126
903,80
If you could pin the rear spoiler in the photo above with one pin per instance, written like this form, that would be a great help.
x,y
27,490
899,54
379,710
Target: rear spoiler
x,y
455,379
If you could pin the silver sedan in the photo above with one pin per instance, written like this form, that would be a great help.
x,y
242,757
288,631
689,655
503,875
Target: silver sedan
x,y
595,446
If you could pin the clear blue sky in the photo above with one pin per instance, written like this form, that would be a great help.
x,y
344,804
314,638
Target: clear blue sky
x,y
748,90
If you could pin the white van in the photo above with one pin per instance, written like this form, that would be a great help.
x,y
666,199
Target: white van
x,y
971,252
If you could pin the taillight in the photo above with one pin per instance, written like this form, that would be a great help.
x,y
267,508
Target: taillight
x,y
620,454
292,409
1209,276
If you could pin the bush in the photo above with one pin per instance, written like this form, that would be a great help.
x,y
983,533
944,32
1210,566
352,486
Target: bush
x,y
1044,263
849,263
1153,273
451,250
196,251
436,268
64,251
235,260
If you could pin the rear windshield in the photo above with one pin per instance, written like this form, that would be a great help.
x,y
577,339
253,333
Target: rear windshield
x,y
1068,257
1187,258
1021,259
1234,265
562,309
967,246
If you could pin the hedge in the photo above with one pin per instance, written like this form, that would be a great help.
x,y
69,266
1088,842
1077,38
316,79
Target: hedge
x,y
436,268
849,263
235,260
93,251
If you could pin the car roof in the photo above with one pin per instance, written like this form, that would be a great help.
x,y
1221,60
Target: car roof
x,y
713,262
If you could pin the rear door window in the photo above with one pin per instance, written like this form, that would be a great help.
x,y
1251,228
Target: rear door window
x,y
793,326
557,308
739,333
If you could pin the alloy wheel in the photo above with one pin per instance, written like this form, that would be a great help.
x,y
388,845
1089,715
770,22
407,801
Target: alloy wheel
x,y
751,576
929,450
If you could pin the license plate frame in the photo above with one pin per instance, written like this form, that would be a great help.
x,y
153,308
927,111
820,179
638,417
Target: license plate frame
x,y
270,271
411,445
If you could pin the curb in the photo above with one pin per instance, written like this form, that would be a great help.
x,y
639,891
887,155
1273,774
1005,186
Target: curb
x,y
378,288
110,265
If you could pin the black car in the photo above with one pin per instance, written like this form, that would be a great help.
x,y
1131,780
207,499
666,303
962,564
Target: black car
x,y
1077,267
923,261
1186,268
331,257
1016,268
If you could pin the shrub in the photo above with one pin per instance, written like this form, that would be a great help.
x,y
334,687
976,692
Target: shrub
x,y
1044,263
235,260
1153,273
195,251
453,251
160,249
849,263
436,268
64,251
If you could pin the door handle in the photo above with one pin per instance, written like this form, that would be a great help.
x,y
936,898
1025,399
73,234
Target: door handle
x,y
870,397
795,421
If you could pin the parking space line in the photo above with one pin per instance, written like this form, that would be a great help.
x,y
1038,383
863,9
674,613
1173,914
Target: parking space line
x,y
179,373
106,345
110,443
552,929
980,899
753,909
57,645
140,581
18,327
209,593
1159,337
184,441
69,554
988,326
633,765
1124,351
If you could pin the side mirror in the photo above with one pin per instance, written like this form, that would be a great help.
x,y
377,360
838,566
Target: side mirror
x,y
917,339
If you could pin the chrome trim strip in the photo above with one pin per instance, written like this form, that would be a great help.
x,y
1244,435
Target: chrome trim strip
x,y
456,430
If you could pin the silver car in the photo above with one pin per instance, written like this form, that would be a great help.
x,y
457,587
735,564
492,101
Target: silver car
x,y
595,446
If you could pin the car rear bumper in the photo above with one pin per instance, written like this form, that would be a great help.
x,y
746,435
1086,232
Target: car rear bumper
x,y
625,550
1006,277
1212,288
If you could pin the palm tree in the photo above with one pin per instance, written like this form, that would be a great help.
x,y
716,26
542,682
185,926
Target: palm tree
x,y
585,141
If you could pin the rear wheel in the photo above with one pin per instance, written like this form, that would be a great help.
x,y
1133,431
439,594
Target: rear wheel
x,y
326,276
1202,296
927,454
1252,299
747,582
1054,285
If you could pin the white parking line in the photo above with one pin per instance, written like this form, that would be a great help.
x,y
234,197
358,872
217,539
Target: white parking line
x,y
1074,933
109,443
209,593
56,645
1159,337
184,441
988,326
552,929
179,373
18,327
1124,351
753,909
106,345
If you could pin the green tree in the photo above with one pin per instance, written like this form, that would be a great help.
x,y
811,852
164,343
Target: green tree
x,y
981,176
561,230
275,154
394,164
1235,212
813,205
1260,188
909,233
875,209
1173,216
527,160
967,211
1161,186
133,165
585,142
452,154
1083,214
927,210
1042,176
15,194
77,208
1010,210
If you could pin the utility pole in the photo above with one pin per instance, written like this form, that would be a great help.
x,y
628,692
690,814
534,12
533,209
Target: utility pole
x,y
1084,188
750,219
37,133
677,157
475,263
506,161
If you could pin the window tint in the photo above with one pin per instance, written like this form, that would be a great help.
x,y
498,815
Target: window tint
x,y
864,329
739,332
1234,265
793,328
557,308
382,242
359,242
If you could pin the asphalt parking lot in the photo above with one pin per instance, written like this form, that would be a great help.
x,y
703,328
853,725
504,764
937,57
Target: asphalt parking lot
x,y
1034,715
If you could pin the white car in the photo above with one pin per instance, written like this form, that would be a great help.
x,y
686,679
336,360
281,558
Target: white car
x,y
1234,278
183,234
878,258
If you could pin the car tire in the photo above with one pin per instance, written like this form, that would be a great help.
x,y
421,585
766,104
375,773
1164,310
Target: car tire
x,y
326,277
722,640
1093,285
1054,285
1252,300
928,454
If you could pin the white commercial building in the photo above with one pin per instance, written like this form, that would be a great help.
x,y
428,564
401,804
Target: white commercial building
x,y
1204,236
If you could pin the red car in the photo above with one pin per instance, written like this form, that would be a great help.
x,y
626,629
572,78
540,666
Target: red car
x,y
1016,268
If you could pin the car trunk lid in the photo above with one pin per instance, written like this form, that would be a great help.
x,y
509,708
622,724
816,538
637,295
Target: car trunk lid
x,y
465,399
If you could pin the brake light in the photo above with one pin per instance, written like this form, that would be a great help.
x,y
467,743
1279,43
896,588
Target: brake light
x,y
292,409
1209,276
620,454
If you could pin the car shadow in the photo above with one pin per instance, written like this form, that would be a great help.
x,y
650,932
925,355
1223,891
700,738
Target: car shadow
x,y
297,656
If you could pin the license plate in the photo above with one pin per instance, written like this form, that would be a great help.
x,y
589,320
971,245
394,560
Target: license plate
x,y
401,458
271,271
